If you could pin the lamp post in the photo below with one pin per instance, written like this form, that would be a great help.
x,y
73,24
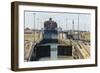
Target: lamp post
x,y
34,26
73,28
66,26
78,27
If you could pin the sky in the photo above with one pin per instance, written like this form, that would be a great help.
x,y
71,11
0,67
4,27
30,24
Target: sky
x,y
35,20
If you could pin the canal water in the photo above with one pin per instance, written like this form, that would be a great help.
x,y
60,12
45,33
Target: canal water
x,y
53,52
